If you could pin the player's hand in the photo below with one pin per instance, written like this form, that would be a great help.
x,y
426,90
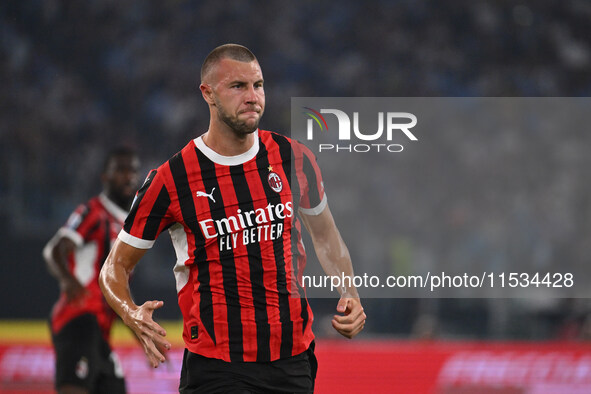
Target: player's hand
x,y
352,318
73,289
150,334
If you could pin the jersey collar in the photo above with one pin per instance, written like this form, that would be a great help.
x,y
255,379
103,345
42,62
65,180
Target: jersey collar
x,y
113,208
229,160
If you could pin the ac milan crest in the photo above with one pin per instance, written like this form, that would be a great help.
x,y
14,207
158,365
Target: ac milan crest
x,y
275,182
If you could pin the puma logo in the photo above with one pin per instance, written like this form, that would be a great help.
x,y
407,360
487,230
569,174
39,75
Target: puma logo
x,y
203,194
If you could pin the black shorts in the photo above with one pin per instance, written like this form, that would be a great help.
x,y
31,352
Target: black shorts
x,y
84,359
211,376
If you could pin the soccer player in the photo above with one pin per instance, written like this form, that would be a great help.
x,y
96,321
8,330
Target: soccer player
x,y
234,200
81,319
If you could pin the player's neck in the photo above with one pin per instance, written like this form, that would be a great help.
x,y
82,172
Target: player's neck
x,y
120,202
226,142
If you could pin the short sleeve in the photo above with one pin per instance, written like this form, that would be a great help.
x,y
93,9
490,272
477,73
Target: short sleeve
x,y
149,214
313,199
79,225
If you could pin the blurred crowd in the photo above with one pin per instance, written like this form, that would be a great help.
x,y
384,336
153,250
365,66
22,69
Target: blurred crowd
x,y
79,77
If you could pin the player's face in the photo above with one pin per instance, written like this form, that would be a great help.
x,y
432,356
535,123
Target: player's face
x,y
238,94
120,179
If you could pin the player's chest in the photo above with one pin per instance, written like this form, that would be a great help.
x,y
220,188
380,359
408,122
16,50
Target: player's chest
x,y
236,198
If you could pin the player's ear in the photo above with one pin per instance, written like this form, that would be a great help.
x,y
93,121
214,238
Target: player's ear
x,y
207,93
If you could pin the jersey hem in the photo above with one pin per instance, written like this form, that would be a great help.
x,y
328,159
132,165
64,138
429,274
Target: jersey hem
x,y
213,354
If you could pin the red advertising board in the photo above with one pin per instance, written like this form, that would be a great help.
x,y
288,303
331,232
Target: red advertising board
x,y
362,366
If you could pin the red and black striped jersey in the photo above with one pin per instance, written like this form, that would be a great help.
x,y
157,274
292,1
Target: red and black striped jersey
x,y
93,227
234,226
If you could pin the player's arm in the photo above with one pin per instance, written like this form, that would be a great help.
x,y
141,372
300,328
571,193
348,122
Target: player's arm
x,y
335,260
114,282
56,254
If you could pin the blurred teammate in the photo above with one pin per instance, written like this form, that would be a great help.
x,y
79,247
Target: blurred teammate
x,y
81,319
235,213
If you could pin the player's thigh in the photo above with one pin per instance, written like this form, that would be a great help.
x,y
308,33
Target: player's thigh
x,y
69,389
202,375
296,374
110,379
77,354
110,385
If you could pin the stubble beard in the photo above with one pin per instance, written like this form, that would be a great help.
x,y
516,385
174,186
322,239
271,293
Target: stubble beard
x,y
239,127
